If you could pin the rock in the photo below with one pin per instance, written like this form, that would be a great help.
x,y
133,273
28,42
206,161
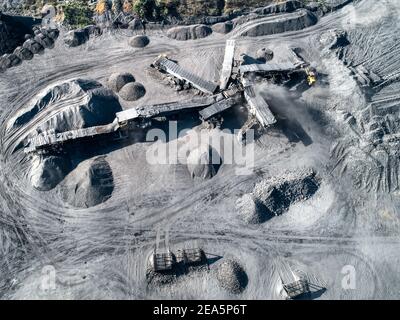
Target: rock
x,y
79,103
189,32
33,46
223,27
264,55
76,38
23,53
10,60
139,41
90,184
136,24
132,91
231,276
203,162
51,33
45,41
285,6
93,30
118,80
48,171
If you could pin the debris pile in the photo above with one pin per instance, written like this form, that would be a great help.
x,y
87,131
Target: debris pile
x,y
90,184
231,276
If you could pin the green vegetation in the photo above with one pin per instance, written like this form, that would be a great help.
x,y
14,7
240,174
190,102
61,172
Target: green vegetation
x,y
77,14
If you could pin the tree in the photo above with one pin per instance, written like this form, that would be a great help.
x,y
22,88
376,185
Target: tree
x,y
77,14
117,6
144,8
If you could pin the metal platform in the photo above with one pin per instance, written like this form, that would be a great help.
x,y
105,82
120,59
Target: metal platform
x,y
163,261
267,67
296,288
177,71
164,109
216,108
259,107
191,256
227,64
49,139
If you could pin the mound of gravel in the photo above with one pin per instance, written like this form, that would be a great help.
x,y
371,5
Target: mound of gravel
x,y
118,80
47,172
90,184
285,6
286,22
264,55
231,276
203,162
251,209
222,27
277,194
132,91
139,41
79,104
194,32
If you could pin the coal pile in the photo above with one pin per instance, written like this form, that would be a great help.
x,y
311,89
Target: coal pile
x,y
277,194
90,184
189,32
231,276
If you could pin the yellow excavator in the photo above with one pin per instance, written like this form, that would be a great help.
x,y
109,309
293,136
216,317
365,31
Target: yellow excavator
x,y
311,76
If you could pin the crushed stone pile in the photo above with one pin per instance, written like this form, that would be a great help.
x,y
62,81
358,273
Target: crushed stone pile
x,y
118,80
48,171
251,209
231,276
90,184
189,32
223,27
139,41
277,194
203,162
80,103
132,91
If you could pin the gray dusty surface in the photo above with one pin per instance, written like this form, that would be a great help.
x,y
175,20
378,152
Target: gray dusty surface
x,y
101,252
